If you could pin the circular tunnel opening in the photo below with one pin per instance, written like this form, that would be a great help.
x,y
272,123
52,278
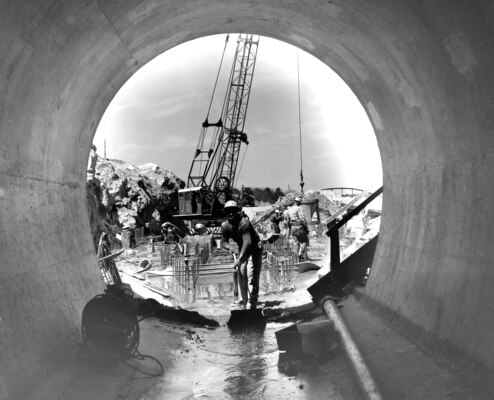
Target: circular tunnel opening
x,y
301,117
416,68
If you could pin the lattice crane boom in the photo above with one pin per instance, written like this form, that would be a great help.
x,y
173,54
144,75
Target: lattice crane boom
x,y
215,161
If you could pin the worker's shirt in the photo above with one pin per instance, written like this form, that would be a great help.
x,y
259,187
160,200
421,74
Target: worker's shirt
x,y
244,235
296,215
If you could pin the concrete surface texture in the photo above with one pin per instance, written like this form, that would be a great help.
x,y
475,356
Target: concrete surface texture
x,y
421,69
403,370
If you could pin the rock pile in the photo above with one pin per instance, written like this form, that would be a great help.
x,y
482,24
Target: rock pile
x,y
121,195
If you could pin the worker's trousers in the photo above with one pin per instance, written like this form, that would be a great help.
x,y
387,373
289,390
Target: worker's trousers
x,y
249,272
300,242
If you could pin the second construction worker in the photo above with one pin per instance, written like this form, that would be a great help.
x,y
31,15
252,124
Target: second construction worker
x,y
276,219
298,230
241,231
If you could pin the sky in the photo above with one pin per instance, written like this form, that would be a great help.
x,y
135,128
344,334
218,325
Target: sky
x,y
156,117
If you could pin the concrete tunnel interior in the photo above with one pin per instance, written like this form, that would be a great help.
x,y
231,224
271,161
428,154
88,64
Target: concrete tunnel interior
x,y
422,70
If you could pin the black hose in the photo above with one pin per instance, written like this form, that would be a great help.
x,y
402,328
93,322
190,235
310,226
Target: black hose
x,y
139,356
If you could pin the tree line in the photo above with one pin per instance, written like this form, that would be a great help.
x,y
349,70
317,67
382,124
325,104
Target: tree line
x,y
252,196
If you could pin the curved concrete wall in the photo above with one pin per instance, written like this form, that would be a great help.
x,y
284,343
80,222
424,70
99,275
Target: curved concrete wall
x,y
422,70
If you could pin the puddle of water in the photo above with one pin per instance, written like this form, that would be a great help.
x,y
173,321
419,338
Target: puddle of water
x,y
246,364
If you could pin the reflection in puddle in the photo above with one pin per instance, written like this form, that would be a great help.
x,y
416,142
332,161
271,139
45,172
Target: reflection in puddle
x,y
246,364
246,377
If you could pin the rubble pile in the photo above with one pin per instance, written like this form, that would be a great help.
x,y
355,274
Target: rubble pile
x,y
121,195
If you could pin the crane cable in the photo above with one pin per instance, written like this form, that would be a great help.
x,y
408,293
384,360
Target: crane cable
x,y
300,128
225,106
217,75
219,132
241,165
201,137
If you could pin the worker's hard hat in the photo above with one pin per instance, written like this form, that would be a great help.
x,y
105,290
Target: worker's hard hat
x,y
277,210
200,228
231,204
298,199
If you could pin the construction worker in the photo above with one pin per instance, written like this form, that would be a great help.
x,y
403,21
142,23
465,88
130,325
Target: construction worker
x,y
93,160
241,231
170,232
297,228
275,221
200,229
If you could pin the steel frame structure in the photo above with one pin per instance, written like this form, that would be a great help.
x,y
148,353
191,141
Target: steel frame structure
x,y
215,168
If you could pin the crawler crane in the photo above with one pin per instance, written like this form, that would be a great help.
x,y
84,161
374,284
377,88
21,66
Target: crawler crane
x,y
212,173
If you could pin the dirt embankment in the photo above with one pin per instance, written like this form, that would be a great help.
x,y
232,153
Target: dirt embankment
x,y
124,195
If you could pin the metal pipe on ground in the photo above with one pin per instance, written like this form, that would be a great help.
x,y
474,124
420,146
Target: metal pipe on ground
x,y
369,387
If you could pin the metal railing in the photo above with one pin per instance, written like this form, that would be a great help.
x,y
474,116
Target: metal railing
x,y
334,225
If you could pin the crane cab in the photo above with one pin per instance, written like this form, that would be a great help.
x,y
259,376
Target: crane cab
x,y
193,202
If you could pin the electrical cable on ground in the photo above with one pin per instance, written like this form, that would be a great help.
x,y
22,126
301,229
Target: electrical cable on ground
x,y
110,329
109,326
139,356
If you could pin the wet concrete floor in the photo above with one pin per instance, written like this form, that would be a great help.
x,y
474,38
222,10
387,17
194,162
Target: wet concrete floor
x,y
239,362
216,361
202,361
245,364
